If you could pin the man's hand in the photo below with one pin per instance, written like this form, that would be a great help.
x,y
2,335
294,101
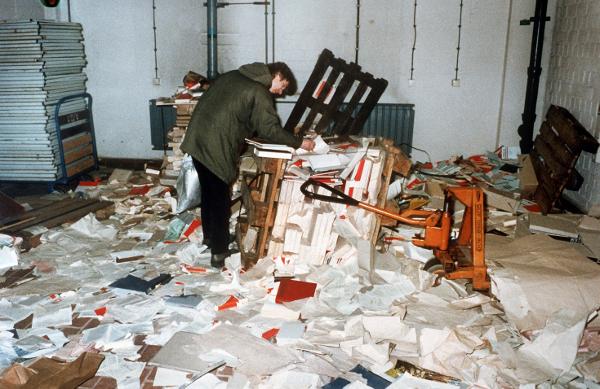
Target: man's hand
x,y
308,144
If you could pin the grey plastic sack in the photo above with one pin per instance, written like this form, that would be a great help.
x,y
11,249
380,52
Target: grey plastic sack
x,y
187,186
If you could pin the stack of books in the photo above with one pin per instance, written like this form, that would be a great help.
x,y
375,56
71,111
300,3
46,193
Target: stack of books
x,y
271,150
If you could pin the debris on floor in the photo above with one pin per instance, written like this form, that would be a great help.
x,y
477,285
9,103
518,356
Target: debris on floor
x,y
130,298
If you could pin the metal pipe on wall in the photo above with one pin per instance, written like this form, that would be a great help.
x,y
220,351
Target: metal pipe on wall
x,y
504,66
266,32
211,35
273,30
533,76
357,30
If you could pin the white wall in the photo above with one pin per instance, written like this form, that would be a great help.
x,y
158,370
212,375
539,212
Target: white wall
x,y
574,83
449,120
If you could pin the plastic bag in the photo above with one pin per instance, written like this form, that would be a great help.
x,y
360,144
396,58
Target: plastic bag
x,y
187,186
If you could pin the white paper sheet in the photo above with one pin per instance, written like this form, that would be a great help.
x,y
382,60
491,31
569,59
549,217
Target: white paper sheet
x,y
169,377
91,227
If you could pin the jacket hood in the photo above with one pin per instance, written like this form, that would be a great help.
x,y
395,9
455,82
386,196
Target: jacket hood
x,y
258,72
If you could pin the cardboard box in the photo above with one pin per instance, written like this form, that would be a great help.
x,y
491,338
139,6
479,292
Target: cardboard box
x,y
527,179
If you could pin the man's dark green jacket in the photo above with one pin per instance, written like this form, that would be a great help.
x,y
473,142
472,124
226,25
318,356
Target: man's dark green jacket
x,y
238,105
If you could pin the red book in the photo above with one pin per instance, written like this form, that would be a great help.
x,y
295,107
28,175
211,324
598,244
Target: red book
x,y
139,190
270,334
291,290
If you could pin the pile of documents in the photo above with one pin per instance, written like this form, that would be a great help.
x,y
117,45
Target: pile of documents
x,y
342,315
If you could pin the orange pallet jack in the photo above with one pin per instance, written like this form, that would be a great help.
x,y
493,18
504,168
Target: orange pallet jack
x,y
455,258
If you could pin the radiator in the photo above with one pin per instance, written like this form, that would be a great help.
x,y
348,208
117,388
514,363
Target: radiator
x,y
393,121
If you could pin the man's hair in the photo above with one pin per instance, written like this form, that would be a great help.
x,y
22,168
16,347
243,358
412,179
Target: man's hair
x,y
285,72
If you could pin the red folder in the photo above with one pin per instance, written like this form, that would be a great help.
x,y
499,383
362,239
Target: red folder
x,y
291,290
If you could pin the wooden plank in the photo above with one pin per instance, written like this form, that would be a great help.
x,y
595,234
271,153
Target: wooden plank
x,y
544,200
548,190
377,89
557,170
306,94
337,99
382,195
78,153
80,165
10,210
571,131
341,127
51,211
76,214
320,106
265,232
77,140
558,147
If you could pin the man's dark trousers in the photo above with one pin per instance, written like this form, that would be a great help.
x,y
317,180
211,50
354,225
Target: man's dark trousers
x,y
215,209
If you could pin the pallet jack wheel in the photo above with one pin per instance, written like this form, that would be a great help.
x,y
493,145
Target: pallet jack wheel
x,y
434,266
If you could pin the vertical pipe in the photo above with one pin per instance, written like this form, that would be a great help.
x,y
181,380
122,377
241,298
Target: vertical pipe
x,y
211,35
533,77
155,48
357,30
266,32
414,45
503,86
69,9
458,42
273,30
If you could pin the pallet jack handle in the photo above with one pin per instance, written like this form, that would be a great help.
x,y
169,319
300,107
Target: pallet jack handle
x,y
414,217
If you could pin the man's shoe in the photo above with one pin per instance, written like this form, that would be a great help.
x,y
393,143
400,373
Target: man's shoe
x,y
218,260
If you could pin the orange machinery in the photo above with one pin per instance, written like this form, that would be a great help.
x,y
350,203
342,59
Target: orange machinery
x,y
460,257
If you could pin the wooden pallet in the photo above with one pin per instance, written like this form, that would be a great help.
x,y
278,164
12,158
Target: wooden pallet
x,y
341,77
556,150
52,215
260,199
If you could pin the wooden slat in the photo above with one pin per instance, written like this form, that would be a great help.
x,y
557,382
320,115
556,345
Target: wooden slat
x,y
377,89
306,94
544,200
80,165
560,151
548,190
337,99
77,140
320,107
44,214
557,170
571,131
78,153
10,210
72,131
341,127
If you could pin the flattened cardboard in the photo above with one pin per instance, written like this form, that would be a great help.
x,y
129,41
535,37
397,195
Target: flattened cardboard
x,y
51,374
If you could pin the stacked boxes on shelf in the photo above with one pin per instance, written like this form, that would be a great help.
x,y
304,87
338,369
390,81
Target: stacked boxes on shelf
x,y
172,163
40,62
